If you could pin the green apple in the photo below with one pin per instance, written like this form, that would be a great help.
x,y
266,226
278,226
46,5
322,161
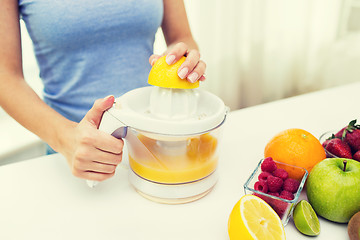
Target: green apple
x,y
333,189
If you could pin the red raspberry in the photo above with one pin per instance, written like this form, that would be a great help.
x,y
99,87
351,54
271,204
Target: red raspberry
x,y
286,195
274,183
261,186
268,165
272,200
263,176
281,173
263,197
275,194
291,185
258,195
280,207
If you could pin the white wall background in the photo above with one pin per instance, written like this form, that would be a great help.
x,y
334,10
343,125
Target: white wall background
x,y
263,50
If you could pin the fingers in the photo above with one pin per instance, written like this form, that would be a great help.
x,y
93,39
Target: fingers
x,y
179,50
153,58
94,164
104,149
97,153
94,154
198,70
95,113
193,69
100,140
96,161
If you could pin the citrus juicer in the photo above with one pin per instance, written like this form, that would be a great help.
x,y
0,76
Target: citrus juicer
x,y
172,136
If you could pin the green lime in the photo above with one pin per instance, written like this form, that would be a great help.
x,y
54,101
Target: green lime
x,y
305,219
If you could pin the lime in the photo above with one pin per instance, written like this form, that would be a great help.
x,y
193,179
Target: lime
x,y
305,219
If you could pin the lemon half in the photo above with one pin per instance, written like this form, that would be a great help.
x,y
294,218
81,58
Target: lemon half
x,y
252,218
166,76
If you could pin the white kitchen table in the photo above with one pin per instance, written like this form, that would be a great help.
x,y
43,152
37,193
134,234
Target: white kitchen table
x,y
40,199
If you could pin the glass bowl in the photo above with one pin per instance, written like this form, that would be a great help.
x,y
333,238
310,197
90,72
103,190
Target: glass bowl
x,y
282,207
323,138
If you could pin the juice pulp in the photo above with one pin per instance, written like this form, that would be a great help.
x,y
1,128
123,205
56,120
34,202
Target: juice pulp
x,y
192,160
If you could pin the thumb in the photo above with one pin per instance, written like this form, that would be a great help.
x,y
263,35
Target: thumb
x,y
100,106
153,58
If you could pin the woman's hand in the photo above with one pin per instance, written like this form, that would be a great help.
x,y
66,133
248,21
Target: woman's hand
x,y
193,69
93,154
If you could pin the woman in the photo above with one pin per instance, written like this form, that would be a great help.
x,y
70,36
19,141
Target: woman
x,y
87,50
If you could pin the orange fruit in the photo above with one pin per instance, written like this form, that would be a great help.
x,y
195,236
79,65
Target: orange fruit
x,y
295,147
164,75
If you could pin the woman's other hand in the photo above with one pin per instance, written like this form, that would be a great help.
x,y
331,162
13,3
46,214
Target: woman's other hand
x,y
193,69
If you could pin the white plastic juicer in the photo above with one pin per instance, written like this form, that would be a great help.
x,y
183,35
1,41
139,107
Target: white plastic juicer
x,y
172,137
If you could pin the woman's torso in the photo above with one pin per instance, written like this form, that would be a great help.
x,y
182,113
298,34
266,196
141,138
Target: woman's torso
x,y
90,49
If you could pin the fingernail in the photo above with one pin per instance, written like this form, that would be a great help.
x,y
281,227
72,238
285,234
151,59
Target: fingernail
x,y
183,72
193,77
108,97
152,62
170,59
202,78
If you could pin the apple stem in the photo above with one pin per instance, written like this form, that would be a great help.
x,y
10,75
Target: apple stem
x,y
344,162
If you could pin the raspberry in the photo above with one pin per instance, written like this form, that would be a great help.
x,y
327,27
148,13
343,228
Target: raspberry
x,y
281,173
263,176
275,194
291,185
268,165
261,186
274,183
280,207
286,195
263,197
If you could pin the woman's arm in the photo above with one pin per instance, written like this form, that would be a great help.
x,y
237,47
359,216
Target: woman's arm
x,y
175,24
180,42
16,97
90,153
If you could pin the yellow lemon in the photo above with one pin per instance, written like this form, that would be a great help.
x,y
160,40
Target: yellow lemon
x,y
164,75
252,218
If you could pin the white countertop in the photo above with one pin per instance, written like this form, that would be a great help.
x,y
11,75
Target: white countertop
x,y
40,199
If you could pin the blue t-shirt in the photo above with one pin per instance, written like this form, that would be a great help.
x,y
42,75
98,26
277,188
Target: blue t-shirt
x,y
90,49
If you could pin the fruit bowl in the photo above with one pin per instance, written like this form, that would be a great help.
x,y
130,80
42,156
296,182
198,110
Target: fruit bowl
x,y
283,207
323,138
342,143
